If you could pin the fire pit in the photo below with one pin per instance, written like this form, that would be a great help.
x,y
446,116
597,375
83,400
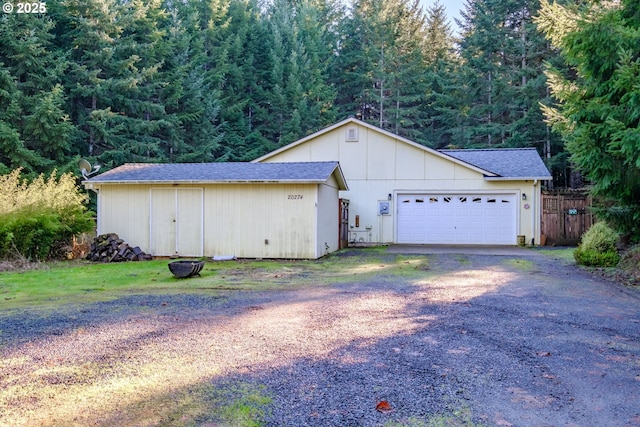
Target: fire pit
x,y
186,268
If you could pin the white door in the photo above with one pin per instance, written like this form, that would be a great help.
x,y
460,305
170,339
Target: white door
x,y
176,221
465,219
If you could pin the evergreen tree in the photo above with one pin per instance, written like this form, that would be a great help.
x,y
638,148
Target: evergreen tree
x,y
139,53
191,104
300,97
503,60
599,111
89,31
444,90
380,68
34,128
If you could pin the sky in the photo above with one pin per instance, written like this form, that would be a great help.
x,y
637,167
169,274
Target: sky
x,y
452,7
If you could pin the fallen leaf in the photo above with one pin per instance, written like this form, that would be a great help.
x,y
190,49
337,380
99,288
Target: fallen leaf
x,y
543,353
383,406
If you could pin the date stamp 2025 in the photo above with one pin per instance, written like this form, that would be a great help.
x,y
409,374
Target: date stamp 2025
x,y
24,7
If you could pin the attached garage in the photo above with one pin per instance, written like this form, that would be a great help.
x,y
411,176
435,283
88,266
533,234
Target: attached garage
x,y
456,218
287,210
404,192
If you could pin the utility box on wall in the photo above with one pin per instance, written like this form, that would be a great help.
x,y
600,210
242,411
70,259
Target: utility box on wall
x,y
384,207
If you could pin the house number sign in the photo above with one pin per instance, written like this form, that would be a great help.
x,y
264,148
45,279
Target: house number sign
x,y
294,197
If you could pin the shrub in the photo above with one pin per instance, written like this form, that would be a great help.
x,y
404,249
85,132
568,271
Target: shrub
x,y
598,247
39,216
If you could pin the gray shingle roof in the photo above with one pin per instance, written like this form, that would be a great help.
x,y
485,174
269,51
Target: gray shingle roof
x,y
302,172
523,163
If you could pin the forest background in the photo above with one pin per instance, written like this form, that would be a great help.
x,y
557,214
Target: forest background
x,y
229,80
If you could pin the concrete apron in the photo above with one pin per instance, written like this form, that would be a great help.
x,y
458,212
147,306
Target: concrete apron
x,y
463,250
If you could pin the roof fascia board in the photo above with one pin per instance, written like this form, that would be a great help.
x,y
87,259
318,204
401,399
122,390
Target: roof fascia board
x,y
517,178
342,182
305,139
229,181
376,129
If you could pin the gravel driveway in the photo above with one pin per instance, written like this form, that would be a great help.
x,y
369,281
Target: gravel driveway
x,y
478,340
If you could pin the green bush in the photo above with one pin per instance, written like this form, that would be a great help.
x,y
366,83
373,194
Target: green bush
x,y
598,247
37,217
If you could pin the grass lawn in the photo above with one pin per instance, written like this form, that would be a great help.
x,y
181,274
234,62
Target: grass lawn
x,y
81,282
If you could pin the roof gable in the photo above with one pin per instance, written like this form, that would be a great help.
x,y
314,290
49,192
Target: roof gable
x,y
375,129
210,173
492,163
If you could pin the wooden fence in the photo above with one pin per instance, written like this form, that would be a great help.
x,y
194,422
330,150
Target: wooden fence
x,y
566,215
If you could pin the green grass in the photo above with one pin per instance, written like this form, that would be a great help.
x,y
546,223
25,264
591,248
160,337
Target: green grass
x,y
564,254
81,282
459,418
520,264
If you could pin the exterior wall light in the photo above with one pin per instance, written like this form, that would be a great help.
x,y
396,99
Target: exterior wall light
x,y
389,196
524,196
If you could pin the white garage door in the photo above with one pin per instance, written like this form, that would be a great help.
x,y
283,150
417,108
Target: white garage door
x,y
466,219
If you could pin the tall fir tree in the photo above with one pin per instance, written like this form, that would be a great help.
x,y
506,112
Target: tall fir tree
x,y
599,111
380,67
503,57
34,127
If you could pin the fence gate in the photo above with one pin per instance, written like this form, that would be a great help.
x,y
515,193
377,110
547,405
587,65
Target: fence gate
x,y
565,217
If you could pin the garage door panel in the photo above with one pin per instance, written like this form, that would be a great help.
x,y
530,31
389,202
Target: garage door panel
x,y
456,219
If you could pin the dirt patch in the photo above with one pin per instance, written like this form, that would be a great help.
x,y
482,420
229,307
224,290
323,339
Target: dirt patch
x,y
475,339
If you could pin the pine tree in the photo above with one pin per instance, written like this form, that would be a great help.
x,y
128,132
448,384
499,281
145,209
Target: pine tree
x,y
90,31
34,128
380,68
503,60
300,97
599,111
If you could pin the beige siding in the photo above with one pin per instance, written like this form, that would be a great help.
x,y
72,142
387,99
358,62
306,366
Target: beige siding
x,y
124,209
327,219
260,221
245,220
378,165
176,221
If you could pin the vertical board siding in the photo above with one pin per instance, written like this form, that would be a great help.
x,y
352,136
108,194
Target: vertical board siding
x,y
124,209
565,217
328,220
261,221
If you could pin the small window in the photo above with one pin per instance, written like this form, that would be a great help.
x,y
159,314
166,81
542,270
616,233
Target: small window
x,y
462,199
506,201
406,201
446,199
419,200
477,200
491,200
433,200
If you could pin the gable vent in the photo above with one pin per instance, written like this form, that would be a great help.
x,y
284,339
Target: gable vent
x,y
352,134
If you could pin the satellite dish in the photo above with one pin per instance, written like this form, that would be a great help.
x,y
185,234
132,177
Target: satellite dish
x,y
85,168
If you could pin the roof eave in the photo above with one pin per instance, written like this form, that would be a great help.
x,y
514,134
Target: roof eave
x,y
517,178
205,182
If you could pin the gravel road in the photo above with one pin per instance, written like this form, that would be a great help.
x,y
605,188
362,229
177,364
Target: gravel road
x,y
480,339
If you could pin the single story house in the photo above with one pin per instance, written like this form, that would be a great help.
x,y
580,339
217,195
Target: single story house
x,y
249,210
403,192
